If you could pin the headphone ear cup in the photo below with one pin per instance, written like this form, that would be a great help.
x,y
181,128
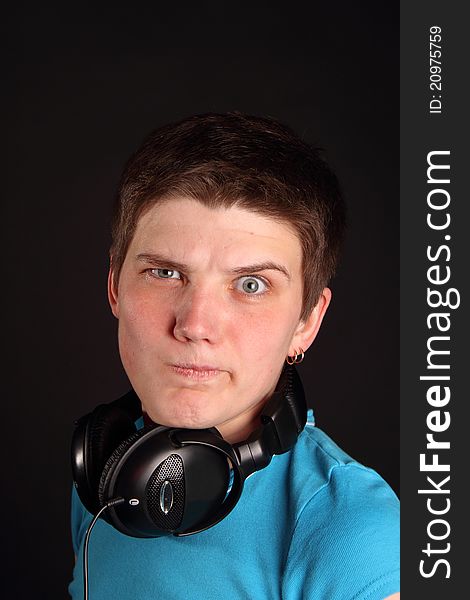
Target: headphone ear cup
x,y
95,440
172,481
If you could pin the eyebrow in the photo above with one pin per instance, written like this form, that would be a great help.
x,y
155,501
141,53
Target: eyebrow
x,y
263,266
159,259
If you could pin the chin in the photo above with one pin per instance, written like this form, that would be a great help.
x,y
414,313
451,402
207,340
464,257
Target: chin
x,y
185,414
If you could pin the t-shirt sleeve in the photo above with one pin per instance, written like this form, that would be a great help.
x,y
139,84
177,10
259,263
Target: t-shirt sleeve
x,y
346,543
80,519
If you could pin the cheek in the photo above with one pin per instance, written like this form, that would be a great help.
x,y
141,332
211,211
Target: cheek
x,y
262,340
141,322
263,335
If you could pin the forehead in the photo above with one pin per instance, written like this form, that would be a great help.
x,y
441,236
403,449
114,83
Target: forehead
x,y
187,226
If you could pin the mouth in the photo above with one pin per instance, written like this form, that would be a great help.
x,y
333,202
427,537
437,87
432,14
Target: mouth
x,y
196,372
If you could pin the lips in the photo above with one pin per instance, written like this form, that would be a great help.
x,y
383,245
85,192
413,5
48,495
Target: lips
x,y
197,372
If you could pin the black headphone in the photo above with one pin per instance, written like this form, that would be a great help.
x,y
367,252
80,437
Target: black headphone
x,y
175,481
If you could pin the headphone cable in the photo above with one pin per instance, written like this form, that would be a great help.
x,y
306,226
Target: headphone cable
x,y
112,502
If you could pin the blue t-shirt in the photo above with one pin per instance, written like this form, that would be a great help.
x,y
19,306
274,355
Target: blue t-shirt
x,y
314,524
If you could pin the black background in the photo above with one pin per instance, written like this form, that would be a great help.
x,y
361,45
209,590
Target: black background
x,y
84,86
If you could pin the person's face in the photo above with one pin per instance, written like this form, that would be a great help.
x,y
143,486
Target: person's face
x,y
208,304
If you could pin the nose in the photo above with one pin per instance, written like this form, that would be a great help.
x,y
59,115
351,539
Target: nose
x,y
197,317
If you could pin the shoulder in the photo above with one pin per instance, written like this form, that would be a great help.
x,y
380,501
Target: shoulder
x,y
349,494
319,467
346,535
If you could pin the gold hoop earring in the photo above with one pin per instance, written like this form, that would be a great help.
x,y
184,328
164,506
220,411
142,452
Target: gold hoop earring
x,y
290,360
297,358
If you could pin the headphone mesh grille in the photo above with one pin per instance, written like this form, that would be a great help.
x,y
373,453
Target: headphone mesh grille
x,y
170,470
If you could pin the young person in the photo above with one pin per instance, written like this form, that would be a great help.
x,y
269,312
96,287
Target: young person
x,y
226,233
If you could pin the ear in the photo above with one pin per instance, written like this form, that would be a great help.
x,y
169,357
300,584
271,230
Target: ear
x,y
112,293
308,329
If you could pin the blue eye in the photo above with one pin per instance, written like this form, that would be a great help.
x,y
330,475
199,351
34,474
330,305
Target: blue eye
x,y
252,285
166,273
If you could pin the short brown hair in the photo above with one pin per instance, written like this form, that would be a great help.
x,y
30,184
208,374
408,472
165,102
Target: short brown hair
x,y
232,159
